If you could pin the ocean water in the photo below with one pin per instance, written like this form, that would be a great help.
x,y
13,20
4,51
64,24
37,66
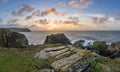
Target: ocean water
x,y
38,37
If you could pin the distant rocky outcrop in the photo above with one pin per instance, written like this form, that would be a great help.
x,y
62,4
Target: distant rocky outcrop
x,y
12,39
19,29
57,38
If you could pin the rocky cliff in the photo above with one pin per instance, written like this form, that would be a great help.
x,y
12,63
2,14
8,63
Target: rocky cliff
x,y
19,29
12,39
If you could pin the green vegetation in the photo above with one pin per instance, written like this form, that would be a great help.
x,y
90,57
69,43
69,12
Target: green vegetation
x,y
22,60
99,45
69,54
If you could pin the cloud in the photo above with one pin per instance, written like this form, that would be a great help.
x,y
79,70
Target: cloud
x,y
42,21
76,19
62,4
117,16
70,20
24,8
45,12
3,1
52,11
37,13
100,20
81,3
13,21
29,17
1,20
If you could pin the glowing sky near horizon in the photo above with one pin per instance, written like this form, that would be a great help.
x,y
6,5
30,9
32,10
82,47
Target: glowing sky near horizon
x,y
61,14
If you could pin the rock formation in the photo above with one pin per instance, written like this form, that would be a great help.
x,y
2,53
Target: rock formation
x,y
79,43
71,59
12,39
57,38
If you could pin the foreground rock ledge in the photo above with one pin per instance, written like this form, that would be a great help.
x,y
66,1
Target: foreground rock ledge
x,y
71,59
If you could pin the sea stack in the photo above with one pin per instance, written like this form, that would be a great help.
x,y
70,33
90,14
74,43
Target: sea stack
x,y
57,38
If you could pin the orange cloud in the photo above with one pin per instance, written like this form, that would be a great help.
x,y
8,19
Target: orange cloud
x,y
50,11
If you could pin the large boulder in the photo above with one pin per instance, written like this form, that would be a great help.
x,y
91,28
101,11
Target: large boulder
x,y
100,45
12,39
57,38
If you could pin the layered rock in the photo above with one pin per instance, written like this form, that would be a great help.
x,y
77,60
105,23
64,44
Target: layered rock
x,y
12,39
52,52
57,38
71,59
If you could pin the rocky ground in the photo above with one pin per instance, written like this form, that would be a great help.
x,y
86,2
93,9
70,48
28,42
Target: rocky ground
x,y
71,59
56,55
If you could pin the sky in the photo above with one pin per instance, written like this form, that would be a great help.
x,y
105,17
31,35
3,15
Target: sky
x,y
61,14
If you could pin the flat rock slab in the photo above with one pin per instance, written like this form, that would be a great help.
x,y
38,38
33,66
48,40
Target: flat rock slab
x,y
50,52
65,61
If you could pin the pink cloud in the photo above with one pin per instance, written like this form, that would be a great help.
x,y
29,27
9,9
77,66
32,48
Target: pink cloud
x,y
13,21
62,4
29,17
100,20
24,8
50,11
42,21
81,3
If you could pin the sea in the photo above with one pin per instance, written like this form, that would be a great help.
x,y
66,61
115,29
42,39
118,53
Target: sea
x,y
38,37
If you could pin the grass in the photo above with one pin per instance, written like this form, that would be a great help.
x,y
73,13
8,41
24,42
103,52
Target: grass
x,y
22,60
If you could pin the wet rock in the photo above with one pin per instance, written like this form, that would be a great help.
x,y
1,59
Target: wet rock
x,y
12,39
79,43
57,38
